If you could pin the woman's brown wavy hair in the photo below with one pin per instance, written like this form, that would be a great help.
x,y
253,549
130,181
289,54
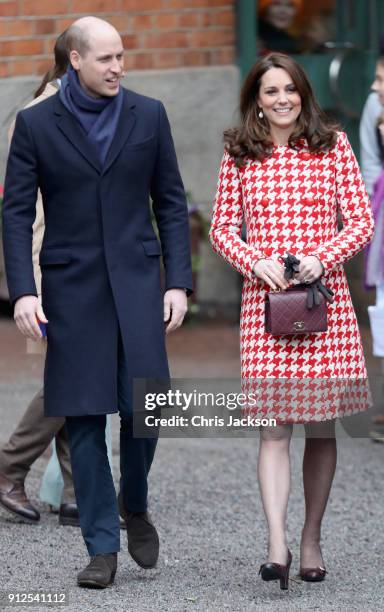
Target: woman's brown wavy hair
x,y
251,139
60,66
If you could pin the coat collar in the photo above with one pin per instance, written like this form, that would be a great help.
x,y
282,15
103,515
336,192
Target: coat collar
x,y
75,134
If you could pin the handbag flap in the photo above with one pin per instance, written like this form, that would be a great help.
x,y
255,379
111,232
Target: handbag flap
x,y
287,313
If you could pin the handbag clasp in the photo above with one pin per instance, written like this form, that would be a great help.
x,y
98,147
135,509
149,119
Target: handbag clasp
x,y
298,325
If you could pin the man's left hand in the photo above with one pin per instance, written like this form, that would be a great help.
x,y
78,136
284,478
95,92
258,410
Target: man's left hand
x,y
310,269
175,307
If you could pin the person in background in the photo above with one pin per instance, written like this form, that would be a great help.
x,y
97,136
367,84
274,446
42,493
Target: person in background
x,y
372,157
35,432
371,150
275,19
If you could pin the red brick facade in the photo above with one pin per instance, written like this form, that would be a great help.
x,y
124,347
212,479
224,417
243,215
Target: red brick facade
x,y
156,33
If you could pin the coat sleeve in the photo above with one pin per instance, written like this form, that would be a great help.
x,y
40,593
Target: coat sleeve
x,y
227,221
355,209
170,210
19,210
38,227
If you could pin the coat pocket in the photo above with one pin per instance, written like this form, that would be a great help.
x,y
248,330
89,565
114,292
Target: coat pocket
x,y
151,247
142,143
55,257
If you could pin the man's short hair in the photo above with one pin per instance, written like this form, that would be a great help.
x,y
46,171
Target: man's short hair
x,y
77,39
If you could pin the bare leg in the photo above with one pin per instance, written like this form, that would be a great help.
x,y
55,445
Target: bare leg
x,y
274,482
319,465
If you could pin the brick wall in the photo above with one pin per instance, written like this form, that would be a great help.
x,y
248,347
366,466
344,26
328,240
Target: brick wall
x,y
156,33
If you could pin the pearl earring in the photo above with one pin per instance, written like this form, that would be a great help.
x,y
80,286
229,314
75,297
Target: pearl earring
x,y
261,114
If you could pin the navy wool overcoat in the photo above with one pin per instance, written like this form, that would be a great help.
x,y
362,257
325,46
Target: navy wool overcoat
x,y
100,259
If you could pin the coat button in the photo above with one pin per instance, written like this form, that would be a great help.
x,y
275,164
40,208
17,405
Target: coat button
x,y
309,201
305,155
264,202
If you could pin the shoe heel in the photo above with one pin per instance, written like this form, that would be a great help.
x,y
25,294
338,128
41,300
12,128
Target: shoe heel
x,y
284,579
284,582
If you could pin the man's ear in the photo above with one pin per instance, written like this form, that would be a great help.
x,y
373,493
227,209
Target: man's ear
x,y
74,58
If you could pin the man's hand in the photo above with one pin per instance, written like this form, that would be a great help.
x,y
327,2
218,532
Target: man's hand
x,y
27,308
175,307
310,269
271,272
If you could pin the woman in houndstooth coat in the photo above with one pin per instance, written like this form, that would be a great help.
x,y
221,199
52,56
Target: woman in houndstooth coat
x,y
287,173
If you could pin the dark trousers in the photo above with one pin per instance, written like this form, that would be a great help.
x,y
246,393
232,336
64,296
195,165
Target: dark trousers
x,y
92,477
30,439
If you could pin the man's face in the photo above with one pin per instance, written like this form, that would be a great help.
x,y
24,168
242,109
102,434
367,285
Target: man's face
x,y
102,66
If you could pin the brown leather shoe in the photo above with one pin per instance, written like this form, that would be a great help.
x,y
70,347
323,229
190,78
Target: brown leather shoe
x,y
14,499
99,573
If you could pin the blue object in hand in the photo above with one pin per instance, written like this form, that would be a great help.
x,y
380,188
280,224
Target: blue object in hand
x,y
43,328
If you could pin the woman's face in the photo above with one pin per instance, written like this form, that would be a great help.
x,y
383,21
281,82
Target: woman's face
x,y
279,98
281,13
378,83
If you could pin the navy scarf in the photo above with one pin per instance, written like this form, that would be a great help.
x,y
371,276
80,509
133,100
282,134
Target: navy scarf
x,y
97,116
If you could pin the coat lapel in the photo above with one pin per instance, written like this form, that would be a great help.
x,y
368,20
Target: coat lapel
x,y
125,125
75,134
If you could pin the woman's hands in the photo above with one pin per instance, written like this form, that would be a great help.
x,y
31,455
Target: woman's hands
x,y
310,268
271,272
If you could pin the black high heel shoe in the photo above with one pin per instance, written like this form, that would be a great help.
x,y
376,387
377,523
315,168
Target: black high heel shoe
x,y
276,571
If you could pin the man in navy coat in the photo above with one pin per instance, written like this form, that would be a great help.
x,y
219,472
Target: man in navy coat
x,y
98,153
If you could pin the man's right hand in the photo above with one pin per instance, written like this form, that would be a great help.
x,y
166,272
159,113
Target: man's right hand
x,y
271,272
27,308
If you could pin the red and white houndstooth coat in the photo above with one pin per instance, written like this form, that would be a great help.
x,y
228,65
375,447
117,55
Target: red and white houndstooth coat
x,y
290,202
